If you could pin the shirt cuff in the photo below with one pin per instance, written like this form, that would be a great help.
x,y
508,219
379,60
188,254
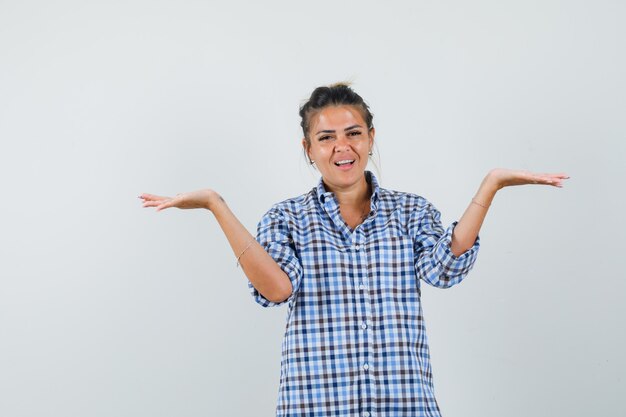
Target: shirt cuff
x,y
293,271
454,265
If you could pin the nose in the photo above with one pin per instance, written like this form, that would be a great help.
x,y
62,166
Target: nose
x,y
342,143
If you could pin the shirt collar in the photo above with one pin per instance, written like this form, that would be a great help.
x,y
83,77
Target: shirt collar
x,y
324,196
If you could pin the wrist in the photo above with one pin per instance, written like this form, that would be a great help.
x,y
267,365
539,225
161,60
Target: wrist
x,y
213,201
491,183
487,191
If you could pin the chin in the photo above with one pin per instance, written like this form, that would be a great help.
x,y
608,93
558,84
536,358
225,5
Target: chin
x,y
348,177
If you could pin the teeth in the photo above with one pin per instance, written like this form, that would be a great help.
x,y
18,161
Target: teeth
x,y
345,161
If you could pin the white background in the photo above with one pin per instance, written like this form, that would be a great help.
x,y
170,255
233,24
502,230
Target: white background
x,y
108,309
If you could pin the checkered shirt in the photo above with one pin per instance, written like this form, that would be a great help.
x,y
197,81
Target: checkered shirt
x,y
355,342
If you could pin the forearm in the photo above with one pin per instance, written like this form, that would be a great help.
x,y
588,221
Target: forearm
x,y
260,268
469,225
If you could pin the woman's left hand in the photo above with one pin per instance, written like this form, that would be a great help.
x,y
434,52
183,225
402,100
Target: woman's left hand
x,y
469,225
502,177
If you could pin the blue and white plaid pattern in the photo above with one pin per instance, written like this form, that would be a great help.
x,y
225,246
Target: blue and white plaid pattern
x,y
355,342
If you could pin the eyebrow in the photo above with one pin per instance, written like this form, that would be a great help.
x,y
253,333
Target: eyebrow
x,y
345,130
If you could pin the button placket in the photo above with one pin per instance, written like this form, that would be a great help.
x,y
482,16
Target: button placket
x,y
360,262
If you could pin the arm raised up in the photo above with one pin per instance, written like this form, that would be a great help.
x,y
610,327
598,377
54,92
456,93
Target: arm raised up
x,y
469,225
260,268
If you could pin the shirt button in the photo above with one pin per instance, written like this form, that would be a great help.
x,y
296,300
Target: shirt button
x,y
357,247
366,414
363,326
366,367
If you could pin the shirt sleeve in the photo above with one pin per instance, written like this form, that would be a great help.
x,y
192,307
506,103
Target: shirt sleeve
x,y
274,236
434,261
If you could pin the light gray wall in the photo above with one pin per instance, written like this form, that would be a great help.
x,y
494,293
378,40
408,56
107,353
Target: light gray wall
x,y
108,309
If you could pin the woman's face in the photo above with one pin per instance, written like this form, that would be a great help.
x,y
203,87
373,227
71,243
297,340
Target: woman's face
x,y
340,144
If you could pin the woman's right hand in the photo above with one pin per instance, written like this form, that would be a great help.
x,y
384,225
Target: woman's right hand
x,y
260,268
191,200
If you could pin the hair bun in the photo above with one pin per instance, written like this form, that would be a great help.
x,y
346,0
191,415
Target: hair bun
x,y
340,84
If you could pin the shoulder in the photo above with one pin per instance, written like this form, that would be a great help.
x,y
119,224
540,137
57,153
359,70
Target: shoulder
x,y
412,210
293,207
394,199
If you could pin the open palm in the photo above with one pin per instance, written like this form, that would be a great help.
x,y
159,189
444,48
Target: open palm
x,y
190,200
508,177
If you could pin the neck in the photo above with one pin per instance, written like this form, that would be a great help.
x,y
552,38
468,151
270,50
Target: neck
x,y
352,196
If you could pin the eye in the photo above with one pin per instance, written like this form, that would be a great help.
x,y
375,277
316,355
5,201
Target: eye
x,y
323,138
354,133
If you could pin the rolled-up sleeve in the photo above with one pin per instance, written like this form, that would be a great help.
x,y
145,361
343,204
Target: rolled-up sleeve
x,y
274,236
434,261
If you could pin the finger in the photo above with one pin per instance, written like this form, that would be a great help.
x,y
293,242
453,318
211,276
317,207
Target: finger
x,y
151,203
555,183
170,203
152,197
163,206
536,179
562,175
558,176
557,180
554,177
543,181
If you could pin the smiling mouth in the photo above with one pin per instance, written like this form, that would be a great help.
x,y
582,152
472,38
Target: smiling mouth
x,y
345,162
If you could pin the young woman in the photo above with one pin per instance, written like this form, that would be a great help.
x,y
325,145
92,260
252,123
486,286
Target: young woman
x,y
348,257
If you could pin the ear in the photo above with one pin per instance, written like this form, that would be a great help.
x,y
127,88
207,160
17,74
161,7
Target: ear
x,y
305,146
372,133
